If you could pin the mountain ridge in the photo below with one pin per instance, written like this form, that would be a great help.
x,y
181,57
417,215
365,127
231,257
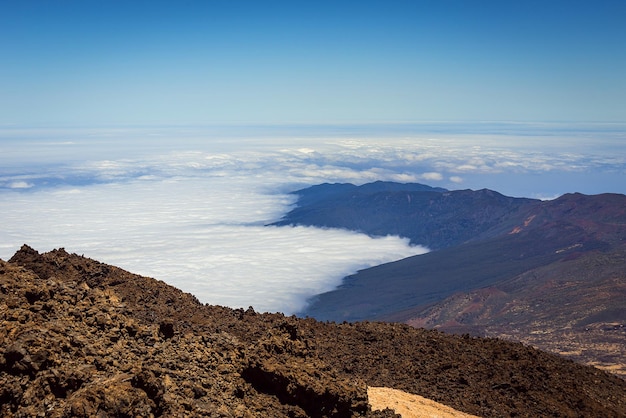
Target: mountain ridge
x,y
421,213
492,240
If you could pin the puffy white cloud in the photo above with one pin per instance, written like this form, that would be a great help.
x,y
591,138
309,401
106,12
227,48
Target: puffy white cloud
x,y
20,185
467,167
433,176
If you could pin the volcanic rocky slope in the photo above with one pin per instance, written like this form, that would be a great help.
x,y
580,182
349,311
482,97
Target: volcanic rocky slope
x,y
82,338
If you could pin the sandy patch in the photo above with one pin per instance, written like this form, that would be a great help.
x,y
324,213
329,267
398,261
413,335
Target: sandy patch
x,y
409,405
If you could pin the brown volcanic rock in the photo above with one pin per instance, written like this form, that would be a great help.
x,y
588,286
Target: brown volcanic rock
x,y
88,339
80,338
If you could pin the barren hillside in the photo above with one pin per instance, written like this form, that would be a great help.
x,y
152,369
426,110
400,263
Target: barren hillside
x,y
82,338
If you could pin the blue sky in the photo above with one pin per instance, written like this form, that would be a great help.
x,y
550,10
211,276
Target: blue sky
x,y
103,63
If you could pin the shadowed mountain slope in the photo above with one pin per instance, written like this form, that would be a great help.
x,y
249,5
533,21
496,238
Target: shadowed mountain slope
x,y
432,217
574,307
504,238
493,241
82,338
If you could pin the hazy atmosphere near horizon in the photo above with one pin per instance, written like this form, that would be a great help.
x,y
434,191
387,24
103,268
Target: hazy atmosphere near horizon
x,y
163,136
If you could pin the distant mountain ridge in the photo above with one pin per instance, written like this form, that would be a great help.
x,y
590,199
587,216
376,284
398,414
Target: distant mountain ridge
x,y
482,241
433,217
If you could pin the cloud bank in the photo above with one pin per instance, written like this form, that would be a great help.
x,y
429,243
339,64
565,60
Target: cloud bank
x,y
189,206
196,225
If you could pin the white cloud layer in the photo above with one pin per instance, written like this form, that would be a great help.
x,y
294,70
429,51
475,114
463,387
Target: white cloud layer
x,y
189,207
204,235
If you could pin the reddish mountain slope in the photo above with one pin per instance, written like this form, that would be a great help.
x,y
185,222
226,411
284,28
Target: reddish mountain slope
x,y
574,307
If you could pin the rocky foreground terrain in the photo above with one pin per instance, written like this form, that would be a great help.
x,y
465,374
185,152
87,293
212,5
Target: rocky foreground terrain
x,y
80,338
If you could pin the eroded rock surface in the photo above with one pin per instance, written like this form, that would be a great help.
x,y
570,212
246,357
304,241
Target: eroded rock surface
x,y
81,338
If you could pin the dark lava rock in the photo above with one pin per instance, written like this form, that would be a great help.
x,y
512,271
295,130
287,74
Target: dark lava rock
x,y
79,338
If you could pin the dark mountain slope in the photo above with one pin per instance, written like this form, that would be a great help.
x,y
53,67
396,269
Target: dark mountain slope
x,y
503,237
535,234
462,288
601,217
435,218
574,307
81,338
328,192
378,292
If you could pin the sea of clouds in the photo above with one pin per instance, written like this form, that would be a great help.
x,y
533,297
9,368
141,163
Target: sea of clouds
x,y
191,206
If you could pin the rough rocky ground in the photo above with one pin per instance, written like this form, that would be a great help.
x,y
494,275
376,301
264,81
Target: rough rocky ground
x,y
81,338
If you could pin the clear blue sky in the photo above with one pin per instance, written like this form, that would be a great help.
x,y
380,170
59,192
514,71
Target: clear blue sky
x,y
84,62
